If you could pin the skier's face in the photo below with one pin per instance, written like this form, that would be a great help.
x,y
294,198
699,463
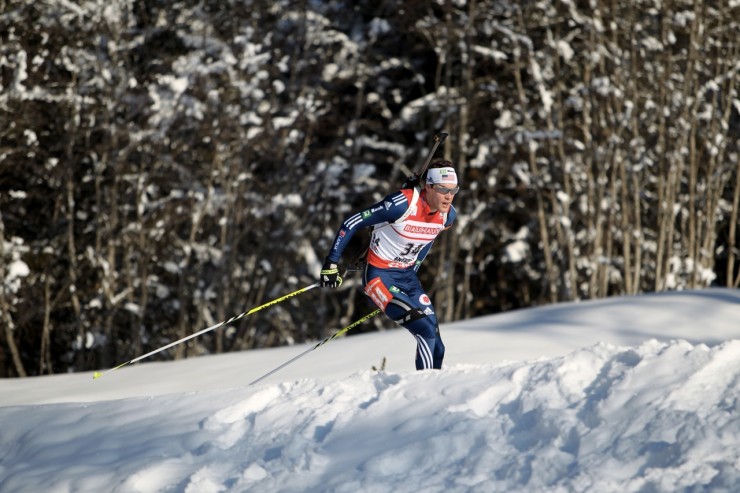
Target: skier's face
x,y
439,197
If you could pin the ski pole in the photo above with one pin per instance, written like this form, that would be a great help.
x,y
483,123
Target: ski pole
x,y
346,329
213,327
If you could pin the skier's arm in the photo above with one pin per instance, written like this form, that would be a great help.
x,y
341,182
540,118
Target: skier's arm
x,y
389,209
422,255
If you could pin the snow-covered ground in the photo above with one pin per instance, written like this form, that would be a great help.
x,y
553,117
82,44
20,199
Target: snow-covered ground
x,y
635,394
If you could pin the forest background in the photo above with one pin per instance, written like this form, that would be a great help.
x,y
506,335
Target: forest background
x,y
165,165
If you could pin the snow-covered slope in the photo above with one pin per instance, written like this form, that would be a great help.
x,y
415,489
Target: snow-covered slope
x,y
626,394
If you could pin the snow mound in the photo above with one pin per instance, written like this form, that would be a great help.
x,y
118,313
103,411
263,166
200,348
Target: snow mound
x,y
659,417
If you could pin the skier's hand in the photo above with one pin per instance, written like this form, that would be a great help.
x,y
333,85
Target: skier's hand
x,y
330,277
411,182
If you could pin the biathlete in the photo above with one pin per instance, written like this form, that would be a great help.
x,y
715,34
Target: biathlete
x,y
405,225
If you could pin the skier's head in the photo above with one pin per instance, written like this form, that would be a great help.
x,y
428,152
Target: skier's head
x,y
441,185
440,171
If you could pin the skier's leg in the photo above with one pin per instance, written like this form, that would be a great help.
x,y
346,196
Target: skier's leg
x,y
403,300
404,311
430,350
439,351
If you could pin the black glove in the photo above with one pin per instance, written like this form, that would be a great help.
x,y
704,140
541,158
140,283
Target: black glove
x,y
411,182
330,277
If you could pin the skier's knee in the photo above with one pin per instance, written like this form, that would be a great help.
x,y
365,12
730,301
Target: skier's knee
x,y
411,315
418,322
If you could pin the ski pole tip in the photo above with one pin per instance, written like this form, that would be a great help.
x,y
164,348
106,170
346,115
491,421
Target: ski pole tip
x,y
97,375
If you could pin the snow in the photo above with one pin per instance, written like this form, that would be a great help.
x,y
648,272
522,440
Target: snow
x,y
505,120
625,394
565,50
16,269
496,55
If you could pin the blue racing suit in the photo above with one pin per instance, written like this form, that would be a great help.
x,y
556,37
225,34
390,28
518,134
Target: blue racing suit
x,y
404,230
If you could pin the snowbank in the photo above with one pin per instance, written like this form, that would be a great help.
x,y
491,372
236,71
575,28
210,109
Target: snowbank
x,y
661,416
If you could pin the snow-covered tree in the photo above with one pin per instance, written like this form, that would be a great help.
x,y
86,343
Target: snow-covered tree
x,y
166,165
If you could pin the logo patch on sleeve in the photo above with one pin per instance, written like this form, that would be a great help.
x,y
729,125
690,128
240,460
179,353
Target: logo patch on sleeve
x,y
424,300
